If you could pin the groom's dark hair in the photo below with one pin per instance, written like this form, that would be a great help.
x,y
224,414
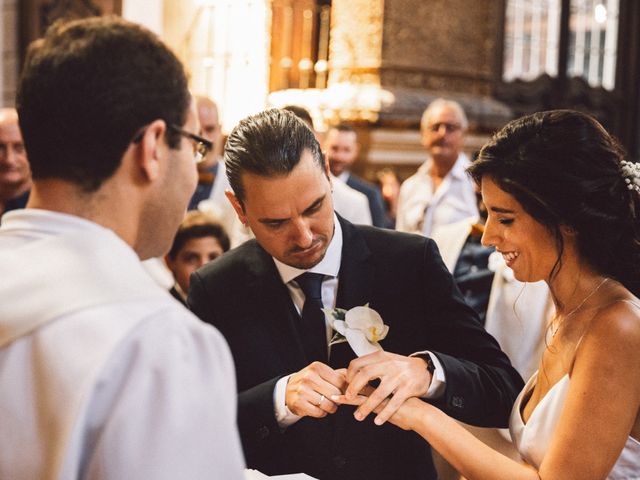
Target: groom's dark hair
x,y
268,144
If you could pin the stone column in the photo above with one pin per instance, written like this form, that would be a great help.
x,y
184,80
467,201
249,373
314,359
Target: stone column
x,y
414,51
9,50
418,50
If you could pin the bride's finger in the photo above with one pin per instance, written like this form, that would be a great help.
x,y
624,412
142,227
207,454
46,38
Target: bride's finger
x,y
343,400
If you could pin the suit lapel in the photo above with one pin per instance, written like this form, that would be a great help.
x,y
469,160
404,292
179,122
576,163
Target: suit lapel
x,y
355,280
355,284
277,311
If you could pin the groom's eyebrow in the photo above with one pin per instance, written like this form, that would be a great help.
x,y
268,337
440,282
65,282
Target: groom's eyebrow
x,y
315,205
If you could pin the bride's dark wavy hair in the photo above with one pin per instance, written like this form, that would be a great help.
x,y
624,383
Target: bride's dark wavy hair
x,y
564,169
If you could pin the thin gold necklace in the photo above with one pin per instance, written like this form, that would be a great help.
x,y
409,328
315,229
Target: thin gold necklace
x,y
559,324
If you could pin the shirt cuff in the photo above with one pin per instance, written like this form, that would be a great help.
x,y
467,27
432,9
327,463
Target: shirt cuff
x,y
438,379
284,416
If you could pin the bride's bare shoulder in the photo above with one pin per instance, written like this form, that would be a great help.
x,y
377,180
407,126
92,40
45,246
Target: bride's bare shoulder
x,y
618,320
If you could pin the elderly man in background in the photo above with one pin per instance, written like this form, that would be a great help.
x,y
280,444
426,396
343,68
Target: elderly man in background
x,y
102,374
15,174
440,192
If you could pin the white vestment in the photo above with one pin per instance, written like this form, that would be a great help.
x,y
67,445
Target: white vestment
x,y
103,375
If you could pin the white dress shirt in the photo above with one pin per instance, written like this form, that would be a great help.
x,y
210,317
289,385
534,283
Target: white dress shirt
x,y
103,375
421,210
329,266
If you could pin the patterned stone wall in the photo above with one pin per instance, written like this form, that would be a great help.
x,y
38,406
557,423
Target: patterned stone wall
x,y
445,45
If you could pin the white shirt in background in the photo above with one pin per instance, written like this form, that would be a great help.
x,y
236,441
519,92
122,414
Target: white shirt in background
x,y
421,210
350,203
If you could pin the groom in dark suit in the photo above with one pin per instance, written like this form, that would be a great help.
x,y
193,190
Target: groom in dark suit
x,y
265,297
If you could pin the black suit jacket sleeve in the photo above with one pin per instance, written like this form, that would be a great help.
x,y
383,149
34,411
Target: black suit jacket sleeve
x,y
406,281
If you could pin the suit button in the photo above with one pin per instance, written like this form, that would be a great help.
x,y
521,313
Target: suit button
x,y
457,402
339,461
262,432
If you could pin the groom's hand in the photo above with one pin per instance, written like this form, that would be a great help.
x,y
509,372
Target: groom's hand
x,y
309,391
400,378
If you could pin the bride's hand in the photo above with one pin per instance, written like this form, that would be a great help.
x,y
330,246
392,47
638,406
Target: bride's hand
x,y
404,417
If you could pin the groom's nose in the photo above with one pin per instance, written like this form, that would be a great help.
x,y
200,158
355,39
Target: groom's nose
x,y
301,233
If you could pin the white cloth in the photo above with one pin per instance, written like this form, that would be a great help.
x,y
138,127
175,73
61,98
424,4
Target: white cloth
x,y
422,211
159,272
330,267
103,375
350,203
219,206
517,312
533,438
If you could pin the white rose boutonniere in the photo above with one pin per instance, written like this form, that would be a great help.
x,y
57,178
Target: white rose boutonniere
x,y
361,327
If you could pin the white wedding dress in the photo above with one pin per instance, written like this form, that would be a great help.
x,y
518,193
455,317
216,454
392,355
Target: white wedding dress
x,y
533,438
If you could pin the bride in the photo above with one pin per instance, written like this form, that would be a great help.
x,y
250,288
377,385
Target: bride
x,y
564,207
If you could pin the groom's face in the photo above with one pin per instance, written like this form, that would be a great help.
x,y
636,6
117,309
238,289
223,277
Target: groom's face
x,y
291,216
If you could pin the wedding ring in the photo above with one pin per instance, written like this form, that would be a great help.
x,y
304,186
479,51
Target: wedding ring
x,y
320,401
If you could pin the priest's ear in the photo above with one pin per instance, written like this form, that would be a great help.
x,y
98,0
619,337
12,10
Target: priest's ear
x,y
146,147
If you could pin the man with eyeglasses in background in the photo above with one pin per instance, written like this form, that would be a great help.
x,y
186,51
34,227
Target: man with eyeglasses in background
x,y
440,192
103,375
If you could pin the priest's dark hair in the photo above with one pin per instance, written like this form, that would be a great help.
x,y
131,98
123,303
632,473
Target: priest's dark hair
x,y
268,144
566,170
88,88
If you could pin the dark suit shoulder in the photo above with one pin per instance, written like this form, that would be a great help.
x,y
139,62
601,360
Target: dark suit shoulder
x,y
374,195
360,183
381,239
235,264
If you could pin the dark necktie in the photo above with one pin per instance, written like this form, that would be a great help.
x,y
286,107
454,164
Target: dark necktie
x,y
313,330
